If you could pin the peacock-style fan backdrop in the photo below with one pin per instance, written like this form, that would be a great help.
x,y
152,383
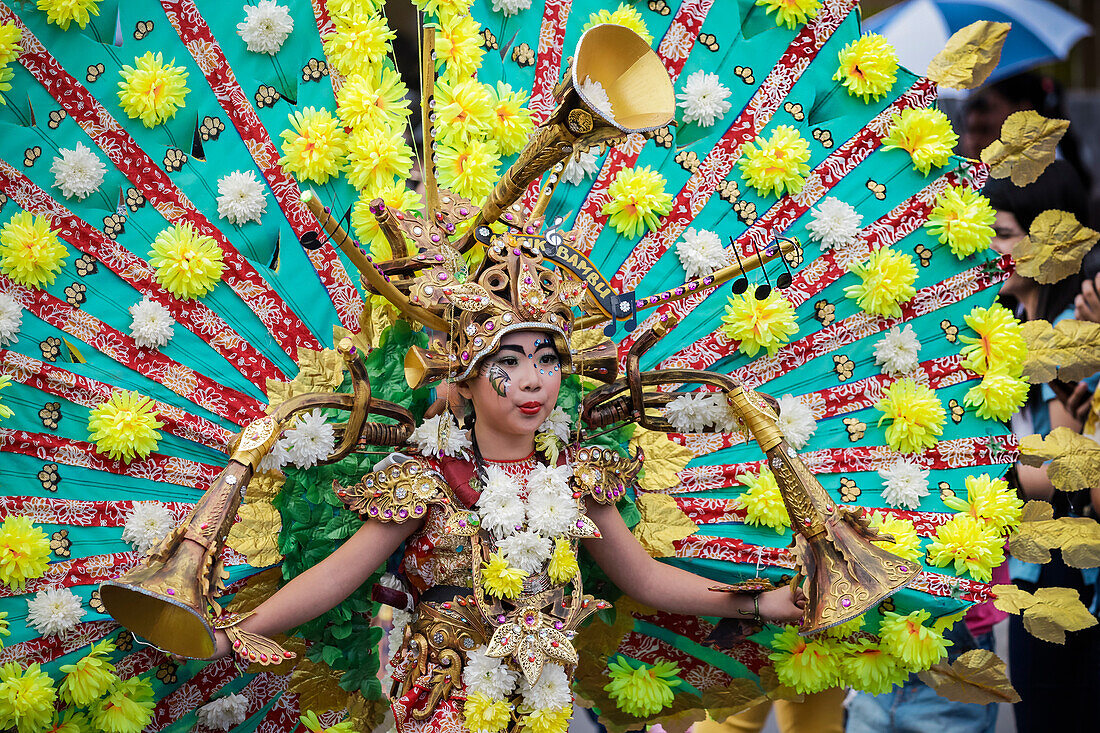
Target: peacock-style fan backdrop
x,y
155,297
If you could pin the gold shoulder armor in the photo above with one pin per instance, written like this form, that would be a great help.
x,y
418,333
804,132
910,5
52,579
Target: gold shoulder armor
x,y
603,474
396,493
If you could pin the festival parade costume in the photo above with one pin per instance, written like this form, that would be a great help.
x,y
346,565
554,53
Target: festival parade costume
x,y
175,259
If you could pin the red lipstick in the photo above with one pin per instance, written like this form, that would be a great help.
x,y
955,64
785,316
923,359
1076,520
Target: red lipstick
x,y
530,408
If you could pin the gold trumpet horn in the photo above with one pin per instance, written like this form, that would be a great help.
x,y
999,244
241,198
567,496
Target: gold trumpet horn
x,y
616,85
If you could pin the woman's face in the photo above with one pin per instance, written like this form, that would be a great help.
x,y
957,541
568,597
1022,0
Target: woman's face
x,y
516,388
1007,232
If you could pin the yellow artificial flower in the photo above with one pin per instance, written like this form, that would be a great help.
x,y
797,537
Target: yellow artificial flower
x,y
637,201
776,165
5,411
998,396
311,722
759,324
464,110
69,721
4,624
376,156
346,7
1000,345
63,12
24,552
485,715
641,691
906,638
127,708
511,124
971,544
468,168
314,149
444,7
30,252
26,698
10,36
868,67
990,500
867,667
151,90
360,42
624,15
377,99
916,416
365,224
886,281
963,220
791,12
188,264
807,664
89,678
925,134
846,629
906,542
500,579
763,503
125,426
563,562
459,45
547,720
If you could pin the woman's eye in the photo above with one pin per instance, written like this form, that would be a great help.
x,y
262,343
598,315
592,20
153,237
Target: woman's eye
x,y
507,361
549,359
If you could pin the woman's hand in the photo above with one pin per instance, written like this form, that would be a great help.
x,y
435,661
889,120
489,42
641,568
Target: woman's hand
x,y
781,606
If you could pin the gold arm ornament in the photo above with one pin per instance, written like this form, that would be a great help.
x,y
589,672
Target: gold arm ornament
x,y
170,597
248,646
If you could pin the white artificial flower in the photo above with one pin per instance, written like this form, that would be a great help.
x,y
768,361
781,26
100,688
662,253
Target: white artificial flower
x,y
147,524
488,675
898,352
581,165
276,458
904,483
594,93
500,508
834,223
151,326
557,422
510,7
796,421
311,440
550,481
11,319
700,252
78,171
222,713
241,198
265,27
703,98
691,413
551,690
527,551
453,442
54,611
551,514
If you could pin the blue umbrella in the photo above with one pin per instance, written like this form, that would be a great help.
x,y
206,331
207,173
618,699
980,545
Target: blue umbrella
x,y
919,29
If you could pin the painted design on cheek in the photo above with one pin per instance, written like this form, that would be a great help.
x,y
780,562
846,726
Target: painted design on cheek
x,y
498,379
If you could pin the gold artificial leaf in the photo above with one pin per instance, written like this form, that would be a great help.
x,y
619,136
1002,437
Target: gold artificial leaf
x,y
1056,611
256,535
1026,147
378,315
664,459
598,640
1010,599
1069,350
318,371
584,339
359,340
977,676
1080,542
318,687
366,715
1074,459
265,486
970,55
1036,535
662,523
257,589
278,392
1093,420
1054,247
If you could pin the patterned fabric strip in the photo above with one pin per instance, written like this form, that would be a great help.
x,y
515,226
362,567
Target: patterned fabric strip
x,y
555,16
45,649
723,511
77,513
194,693
751,654
208,55
283,324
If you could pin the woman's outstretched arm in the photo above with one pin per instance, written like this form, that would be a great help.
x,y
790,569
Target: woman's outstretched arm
x,y
673,589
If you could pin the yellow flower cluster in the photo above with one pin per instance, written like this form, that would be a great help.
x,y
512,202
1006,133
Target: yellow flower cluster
x,y
151,90
315,147
127,707
125,426
24,552
868,67
641,691
915,414
807,664
464,111
5,411
887,279
10,35
763,503
444,7
759,324
925,134
868,667
972,544
500,579
468,168
547,720
624,15
359,43
905,542
485,715
791,13
997,354
26,698
459,45
511,122
88,678
30,253
997,397
638,200
914,644
376,99
990,500
563,562
188,264
776,165
365,224
311,722
376,156
962,219
63,12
